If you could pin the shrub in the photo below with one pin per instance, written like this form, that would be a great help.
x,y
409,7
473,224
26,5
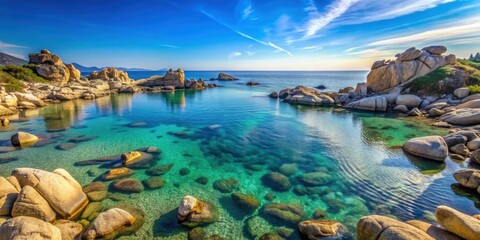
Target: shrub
x,y
474,89
10,83
429,82
23,73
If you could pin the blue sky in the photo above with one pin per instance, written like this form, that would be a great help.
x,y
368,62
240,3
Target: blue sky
x,y
237,35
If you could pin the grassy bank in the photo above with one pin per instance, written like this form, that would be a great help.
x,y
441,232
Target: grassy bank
x,y
12,76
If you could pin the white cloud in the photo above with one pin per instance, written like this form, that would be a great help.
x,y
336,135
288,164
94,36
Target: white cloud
x,y
462,29
9,45
247,11
320,20
250,53
168,45
15,55
312,48
234,55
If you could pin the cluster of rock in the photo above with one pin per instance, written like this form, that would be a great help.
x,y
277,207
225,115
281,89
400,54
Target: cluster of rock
x,y
459,145
173,80
409,65
453,225
32,208
51,67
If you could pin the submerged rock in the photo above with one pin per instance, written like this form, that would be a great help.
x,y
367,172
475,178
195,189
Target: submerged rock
x,y
316,229
65,146
154,182
96,191
433,231
129,185
23,139
197,233
431,147
316,178
247,202
160,169
288,213
276,181
117,173
193,212
227,185
107,224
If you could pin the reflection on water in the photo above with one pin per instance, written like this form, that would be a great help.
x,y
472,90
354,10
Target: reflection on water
x,y
232,133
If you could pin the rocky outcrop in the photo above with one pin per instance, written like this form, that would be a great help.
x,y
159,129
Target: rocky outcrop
x,y
317,229
9,189
306,96
51,67
110,74
409,65
107,224
463,117
74,73
459,223
431,147
31,204
48,184
433,231
225,77
375,104
29,228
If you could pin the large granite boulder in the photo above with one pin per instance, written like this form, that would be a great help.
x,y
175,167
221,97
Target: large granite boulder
x,y
31,204
469,178
286,213
57,74
45,57
430,147
409,100
23,139
70,230
380,227
459,223
193,212
470,104
463,117
23,228
107,224
69,203
409,65
74,73
175,79
307,96
375,104
433,231
317,229
110,74
9,188
225,77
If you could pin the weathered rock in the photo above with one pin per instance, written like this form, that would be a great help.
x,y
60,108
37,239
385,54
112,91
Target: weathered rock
x,y
117,173
410,54
380,227
276,181
433,231
247,202
435,112
57,74
8,195
415,112
193,212
469,178
69,230
469,104
461,92
130,157
31,204
401,108
226,185
451,59
458,223
225,77
110,74
5,111
129,185
45,57
378,64
74,73
460,149
154,182
475,156
307,96
159,169
438,50
23,139
107,224
409,100
316,178
20,228
96,191
48,184
91,210
430,147
377,103
288,213
474,144
317,229
273,95
464,117
471,98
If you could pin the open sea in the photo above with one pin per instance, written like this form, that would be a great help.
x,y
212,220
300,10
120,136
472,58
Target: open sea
x,y
237,131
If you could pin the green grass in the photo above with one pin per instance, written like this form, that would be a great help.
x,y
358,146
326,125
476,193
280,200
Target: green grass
x,y
429,82
11,76
469,63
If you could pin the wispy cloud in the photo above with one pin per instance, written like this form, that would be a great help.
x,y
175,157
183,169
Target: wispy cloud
x,y
247,11
250,53
312,48
270,44
9,45
234,55
463,29
15,55
168,45
320,20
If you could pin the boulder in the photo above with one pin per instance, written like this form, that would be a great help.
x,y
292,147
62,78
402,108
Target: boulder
x,y
430,147
469,178
415,112
117,173
317,229
378,64
376,103
22,228
435,112
452,140
31,204
471,98
276,181
28,97
23,139
460,149
474,144
5,111
96,191
316,178
107,224
225,77
409,100
226,185
307,96
69,204
470,104
273,95
287,213
458,223
74,73
451,59
433,231
401,109
193,212
8,194
70,230
438,50
110,74
130,157
463,117
380,227
154,182
57,74
45,57
129,185
247,202
461,92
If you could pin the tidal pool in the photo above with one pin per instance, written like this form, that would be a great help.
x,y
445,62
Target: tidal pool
x,y
242,134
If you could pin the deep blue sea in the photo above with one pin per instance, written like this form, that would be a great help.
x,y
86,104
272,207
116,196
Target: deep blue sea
x,y
236,131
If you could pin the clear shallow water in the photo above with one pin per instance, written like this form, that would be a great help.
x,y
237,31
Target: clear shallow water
x,y
358,150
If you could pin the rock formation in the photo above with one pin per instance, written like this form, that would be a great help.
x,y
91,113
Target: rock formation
x,y
51,67
173,80
306,96
409,65
110,74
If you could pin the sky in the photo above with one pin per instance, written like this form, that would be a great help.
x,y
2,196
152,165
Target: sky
x,y
237,34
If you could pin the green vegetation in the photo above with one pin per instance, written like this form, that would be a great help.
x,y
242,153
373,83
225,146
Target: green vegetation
x,y
12,76
473,64
429,82
474,89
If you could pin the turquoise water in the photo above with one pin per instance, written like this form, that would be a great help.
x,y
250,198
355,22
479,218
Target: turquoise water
x,y
235,131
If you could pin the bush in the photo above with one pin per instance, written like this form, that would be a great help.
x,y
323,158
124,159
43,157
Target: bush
x,y
474,89
429,82
23,73
10,83
472,64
